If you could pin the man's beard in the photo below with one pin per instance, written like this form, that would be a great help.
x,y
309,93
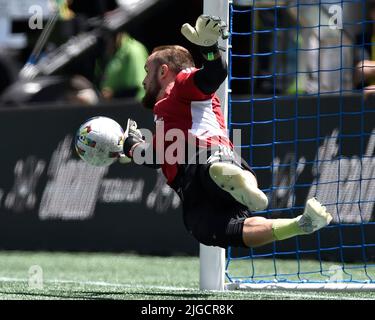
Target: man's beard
x,y
149,99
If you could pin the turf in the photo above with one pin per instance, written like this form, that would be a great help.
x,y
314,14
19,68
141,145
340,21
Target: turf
x,y
126,276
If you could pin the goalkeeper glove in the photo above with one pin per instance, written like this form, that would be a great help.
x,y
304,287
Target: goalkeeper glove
x,y
206,33
133,136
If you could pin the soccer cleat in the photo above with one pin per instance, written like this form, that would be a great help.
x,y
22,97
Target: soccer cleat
x,y
314,217
237,182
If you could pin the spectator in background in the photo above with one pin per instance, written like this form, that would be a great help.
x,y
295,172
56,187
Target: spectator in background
x,y
364,75
124,73
77,17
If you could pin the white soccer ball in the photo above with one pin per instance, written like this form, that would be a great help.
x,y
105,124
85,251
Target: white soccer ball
x,y
99,141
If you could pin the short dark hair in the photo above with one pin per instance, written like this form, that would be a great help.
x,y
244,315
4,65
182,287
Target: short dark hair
x,y
177,58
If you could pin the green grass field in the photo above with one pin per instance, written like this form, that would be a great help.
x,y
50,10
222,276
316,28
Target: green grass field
x,y
124,276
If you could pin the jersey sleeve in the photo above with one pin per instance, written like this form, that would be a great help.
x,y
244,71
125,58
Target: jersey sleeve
x,y
186,89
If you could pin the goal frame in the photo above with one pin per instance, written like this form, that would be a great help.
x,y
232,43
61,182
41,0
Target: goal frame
x,y
212,259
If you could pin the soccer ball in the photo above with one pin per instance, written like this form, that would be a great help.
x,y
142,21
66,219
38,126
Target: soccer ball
x,y
99,141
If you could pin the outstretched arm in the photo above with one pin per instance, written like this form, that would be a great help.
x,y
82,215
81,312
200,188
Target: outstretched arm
x,y
205,34
209,78
134,140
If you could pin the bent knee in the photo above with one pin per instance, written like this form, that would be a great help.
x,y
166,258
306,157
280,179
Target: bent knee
x,y
257,231
224,235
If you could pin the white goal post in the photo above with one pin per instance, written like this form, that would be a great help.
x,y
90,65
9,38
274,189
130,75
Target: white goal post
x,y
212,259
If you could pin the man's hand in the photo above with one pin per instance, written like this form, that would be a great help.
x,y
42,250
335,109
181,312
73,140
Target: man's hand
x,y
207,31
133,131
133,136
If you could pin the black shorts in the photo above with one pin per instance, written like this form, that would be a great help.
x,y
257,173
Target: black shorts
x,y
210,214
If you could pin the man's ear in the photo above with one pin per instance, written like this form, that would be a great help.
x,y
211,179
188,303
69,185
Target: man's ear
x,y
163,71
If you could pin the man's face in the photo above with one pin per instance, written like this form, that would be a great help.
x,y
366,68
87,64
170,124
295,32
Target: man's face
x,y
151,83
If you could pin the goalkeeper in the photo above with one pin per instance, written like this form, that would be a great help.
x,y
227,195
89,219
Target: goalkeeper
x,y
218,195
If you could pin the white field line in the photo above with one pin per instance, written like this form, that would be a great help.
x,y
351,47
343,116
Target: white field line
x,y
98,283
275,293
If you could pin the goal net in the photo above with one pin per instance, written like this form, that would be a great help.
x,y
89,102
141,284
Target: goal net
x,y
298,113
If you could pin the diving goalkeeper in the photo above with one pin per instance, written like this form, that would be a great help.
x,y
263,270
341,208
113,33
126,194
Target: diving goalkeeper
x,y
219,195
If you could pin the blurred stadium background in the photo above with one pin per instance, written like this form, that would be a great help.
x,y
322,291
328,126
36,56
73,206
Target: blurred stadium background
x,y
297,94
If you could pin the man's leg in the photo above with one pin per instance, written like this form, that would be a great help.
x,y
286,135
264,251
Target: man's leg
x,y
240,183
258,231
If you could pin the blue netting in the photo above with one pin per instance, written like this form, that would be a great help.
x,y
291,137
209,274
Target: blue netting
x,y
300,117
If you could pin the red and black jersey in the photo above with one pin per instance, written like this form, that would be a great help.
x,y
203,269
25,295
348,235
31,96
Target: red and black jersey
x,y
196,114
